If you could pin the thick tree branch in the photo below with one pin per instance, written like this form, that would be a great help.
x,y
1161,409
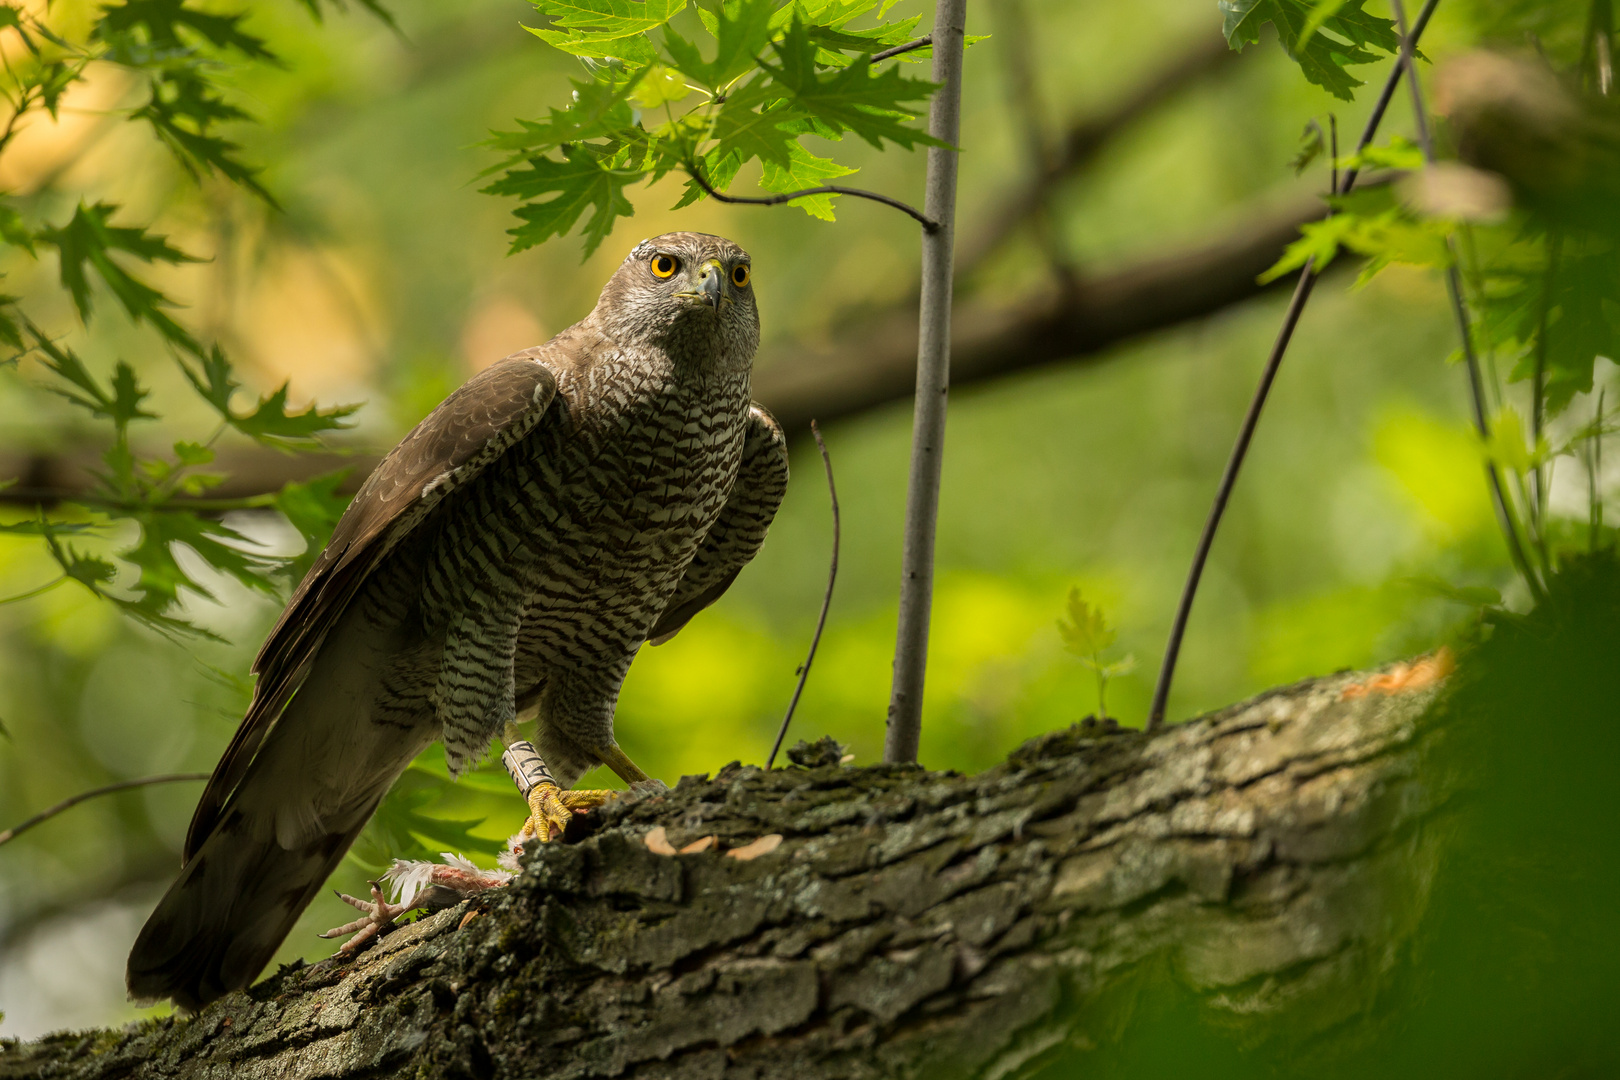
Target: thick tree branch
x,y
871,363
912,923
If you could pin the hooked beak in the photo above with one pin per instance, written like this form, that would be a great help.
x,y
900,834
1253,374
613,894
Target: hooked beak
x,y
711,284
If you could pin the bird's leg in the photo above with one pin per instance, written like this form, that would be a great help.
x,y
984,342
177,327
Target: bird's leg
x,y
628,771
550,807
379,916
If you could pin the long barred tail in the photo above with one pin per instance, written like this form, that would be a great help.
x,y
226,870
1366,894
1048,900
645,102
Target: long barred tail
x,y
233,905
316,780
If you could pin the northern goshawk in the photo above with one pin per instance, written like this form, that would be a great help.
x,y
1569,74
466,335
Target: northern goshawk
x,y
508,557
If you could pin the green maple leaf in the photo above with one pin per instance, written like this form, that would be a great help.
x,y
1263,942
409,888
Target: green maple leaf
x,y
743,130
585,179
88,241
215,381
853,99
121,403
836,40
741,29
270,422
804,170
1323,59
182,109
374,6
1581,298
162,20
1384,236
719,169
599,110
13,230
608,29
827,24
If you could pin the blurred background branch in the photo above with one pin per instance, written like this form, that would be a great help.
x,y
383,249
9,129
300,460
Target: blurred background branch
x,y
871,363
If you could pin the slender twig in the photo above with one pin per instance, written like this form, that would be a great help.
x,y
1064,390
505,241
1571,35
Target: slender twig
x,y
1459,312
928,224
1594,474
826,599
1596,55
904,733
67,804
1279,348
1333,148
910,46
11,125
31,593
1011,24
1539,481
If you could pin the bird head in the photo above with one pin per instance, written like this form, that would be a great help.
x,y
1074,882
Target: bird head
x,y
688,293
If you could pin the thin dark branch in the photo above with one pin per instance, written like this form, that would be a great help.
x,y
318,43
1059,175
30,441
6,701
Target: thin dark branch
x,y
826,189
1279,348
910,46
826,598
1206,539
1540,482
1333,148
40,591
67,804
1594,471
1459,312
31,496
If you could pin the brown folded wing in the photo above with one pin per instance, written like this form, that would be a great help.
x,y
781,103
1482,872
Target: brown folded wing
x,y
469,429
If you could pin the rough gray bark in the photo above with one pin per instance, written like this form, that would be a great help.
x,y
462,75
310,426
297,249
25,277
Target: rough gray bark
x,y
1271,857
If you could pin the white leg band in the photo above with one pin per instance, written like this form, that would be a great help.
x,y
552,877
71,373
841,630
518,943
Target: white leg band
x,y
524,765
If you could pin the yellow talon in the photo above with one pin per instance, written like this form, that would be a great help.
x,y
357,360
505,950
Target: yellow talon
x,y
550,809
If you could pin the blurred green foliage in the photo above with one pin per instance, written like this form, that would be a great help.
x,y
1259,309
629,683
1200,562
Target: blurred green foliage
x,y
1512,970
1361,530
178,53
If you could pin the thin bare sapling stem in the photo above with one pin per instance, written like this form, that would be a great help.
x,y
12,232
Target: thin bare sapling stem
x,y
826,598
1251,419
904,733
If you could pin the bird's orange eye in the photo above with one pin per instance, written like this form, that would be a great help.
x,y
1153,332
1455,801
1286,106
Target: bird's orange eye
x,y
739,275
664,266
